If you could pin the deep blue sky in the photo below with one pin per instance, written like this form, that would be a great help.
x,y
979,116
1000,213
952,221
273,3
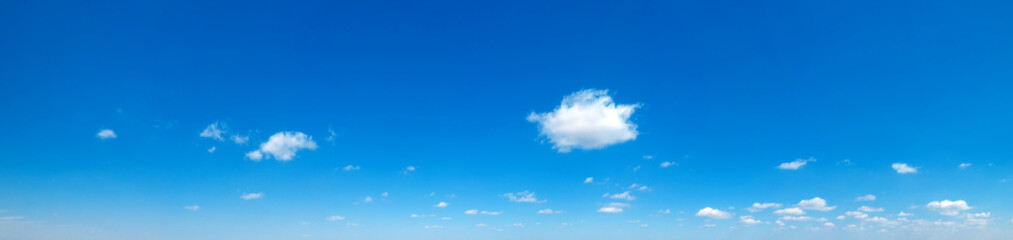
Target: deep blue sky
x,y
728,90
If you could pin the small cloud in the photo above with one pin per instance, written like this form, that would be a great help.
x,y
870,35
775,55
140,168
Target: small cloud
x,y
748,220
613,208
589,180
587,119
947,207
350,168
213,131
624,195
368,199
481,225
711,213
106,134
904,214
384,194
408,169
525,197
648,157
11,218
667,164
790,211
796,218
251,196
432,227
549,211
856,214
335,218
212,149
869,197
283,146
964,165
330,138
757,207
869,209
446,218
483,212
664,211
442,205
903,168
255,155
240,139
795,165
192,207
816,203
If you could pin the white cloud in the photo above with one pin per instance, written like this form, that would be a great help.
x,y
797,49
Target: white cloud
x,y
829,224
350,168
816,203
442,205
283,146
549,211
869,197
869,209
624,195
432,227
368,199
796,218
795,165
106,134
904,214
446,218
790,211
903,168
665,211
964,165
251,196
213,131
711,213
589,180
757,207
212,149
748,220
979,215
239,139
613,208
587,119
335,218
408,169
667,164
192,207
947,207
856,214
525,196
483,212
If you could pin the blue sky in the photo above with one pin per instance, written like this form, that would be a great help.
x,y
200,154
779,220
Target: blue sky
x,y
509,120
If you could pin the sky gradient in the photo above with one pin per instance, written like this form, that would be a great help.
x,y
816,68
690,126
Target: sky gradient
x,y
506,120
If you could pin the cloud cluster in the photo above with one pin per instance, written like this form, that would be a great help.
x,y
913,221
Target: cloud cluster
x,y
947,207
587,119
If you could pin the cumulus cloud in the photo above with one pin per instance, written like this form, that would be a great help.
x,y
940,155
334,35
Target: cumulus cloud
x,y
856,214
757,207
213,131
335,218
239,139
251,196
283,146
947,207
711,213
903,168
192,207
105,134
869,197
549,211
613,208
795,165
869,209
748,220
442,205
790,211
483,212
587,119
525,197
815,203
624,195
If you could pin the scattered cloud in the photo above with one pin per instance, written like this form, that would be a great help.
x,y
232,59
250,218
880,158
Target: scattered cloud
x,y
856,214
213,131
106,134
549,211
904,214
624,195
283,146
795,165
869,197
667,164
408,169
212,149
525,197
815,203
251,196
964,165
587,119
350,168
613,208
790,211
748,220
240,139
432,227
869,209
796,218
368,199
757,207
947,207
335,218
442,205
589,180
483,212
903,168
192,207
711,213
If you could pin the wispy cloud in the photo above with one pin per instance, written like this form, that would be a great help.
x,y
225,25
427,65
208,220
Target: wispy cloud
x,y
251,196
795,165
524,197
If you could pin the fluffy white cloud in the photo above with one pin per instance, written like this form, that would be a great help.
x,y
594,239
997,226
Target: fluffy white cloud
x,y
283,146
856,214
711,213
964,165
213,131
795,165
624,195
757,207
796,218
350,168
587,119
106,134
790,211
251,196
904,214
549,211
748,220
335,218
589,180
947,207
192,207
869,197
667,164
525,196
903,168
442,205
613,208
869,209
483,212
816,203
